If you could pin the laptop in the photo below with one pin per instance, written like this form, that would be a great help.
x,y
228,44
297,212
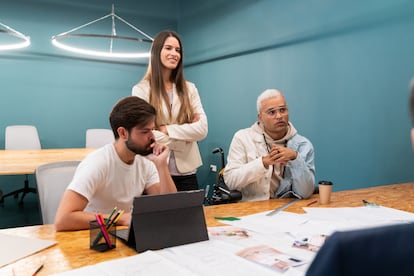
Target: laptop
x,y
165,220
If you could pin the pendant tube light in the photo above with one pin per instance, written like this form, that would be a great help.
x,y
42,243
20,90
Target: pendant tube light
x,y
10,44
60,40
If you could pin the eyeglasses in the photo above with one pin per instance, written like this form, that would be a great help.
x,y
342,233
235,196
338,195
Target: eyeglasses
x,y
273,111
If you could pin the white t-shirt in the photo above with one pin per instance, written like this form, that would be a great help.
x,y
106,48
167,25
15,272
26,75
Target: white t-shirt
x,y
107,182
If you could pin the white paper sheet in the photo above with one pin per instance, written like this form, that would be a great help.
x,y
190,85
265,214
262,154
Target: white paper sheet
x,y
14,248
146,263
279,223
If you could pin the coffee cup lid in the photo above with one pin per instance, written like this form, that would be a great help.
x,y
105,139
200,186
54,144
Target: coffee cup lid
x,y
325,182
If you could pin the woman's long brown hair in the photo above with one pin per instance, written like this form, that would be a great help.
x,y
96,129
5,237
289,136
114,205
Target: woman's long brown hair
x,y
158,93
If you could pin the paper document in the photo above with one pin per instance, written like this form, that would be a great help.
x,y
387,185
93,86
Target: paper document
x,y
227,233
16,247
146,263
328,220
270,257
279,223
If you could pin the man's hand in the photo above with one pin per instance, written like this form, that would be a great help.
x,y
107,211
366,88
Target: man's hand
x,y
279,155
159,154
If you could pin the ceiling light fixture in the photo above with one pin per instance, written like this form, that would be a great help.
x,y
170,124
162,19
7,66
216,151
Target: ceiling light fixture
x,y
57,40
11,42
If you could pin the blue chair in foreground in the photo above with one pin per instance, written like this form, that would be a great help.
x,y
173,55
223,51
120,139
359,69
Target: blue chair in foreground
x,y
386,250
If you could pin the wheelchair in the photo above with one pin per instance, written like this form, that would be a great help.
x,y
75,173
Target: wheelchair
x,y
221,193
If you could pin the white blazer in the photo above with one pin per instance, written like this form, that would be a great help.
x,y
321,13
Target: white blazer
x,y
181,139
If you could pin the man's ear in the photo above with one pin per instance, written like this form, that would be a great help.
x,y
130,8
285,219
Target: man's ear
x,y
123,133
259,117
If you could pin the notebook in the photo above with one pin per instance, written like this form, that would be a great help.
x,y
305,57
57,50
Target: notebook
x,y
165,220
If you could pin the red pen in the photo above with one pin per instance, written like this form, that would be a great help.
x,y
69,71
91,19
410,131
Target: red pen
x,y
101,223
311,203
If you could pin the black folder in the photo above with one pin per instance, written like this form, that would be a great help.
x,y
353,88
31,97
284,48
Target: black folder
x,y
165,220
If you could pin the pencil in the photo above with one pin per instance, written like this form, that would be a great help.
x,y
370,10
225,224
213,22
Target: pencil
x,y
108,219
37,270
311,203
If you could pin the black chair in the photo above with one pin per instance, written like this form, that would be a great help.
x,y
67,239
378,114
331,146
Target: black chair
x,y
221,193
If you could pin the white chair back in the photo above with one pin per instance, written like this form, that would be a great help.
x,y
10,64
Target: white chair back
x,y
98,137
52,180
21,137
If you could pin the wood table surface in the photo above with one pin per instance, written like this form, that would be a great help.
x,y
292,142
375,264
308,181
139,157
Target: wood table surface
x,y
14,162
398,196
72,248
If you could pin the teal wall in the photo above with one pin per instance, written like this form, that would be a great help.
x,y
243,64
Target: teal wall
x,y
61,93
343,65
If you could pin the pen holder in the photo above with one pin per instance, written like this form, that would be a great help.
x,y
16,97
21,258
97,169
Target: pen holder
x,y
101,239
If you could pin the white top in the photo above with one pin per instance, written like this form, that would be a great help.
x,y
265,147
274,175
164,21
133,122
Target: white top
x,y
107,182
181,139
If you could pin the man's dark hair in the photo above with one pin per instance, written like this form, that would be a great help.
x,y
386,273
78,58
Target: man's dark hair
x,y
130,112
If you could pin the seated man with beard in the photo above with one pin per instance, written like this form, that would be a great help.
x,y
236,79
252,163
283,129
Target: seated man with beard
x,y
116,173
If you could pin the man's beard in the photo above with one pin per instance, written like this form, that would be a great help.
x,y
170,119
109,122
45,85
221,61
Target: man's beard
x,y
141,151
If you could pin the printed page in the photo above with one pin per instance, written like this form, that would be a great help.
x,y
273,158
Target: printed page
x,y
270,257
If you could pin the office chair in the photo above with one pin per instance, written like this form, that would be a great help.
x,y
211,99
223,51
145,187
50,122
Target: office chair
x,y
52,180
382,250
98,137
21,137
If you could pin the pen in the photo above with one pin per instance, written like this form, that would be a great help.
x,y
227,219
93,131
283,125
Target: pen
x,y
37,270
108,225
108,219
115,219
366,203
227,218
311,203
118,216
103,229
99,236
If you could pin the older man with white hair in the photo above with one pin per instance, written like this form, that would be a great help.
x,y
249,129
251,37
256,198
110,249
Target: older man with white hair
x,y
270,159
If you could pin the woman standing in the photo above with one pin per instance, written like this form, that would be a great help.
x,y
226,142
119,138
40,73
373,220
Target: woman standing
x,y
181,121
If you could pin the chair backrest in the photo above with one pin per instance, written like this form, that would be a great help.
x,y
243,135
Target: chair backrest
x,y
52,180
20,137
381,250
98,137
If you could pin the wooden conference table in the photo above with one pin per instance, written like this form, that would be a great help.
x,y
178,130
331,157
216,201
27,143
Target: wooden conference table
x,y
26,161
72,248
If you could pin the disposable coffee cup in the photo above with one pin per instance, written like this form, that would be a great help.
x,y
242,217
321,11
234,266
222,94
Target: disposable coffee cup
x,y
325,190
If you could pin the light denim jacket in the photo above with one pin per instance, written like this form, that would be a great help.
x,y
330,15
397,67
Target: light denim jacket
x,y
245,170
